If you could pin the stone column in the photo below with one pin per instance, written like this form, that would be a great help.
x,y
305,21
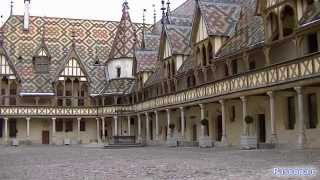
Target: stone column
x,y
6,129
202,117
182,122
244,115
147,127
273,138
168,122
157,124
79,136
129,126
103,128
224,139
28,128
54,130
115,125
139,129
301,118
98,130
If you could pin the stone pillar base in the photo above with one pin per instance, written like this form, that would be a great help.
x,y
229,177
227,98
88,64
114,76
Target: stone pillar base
x,y
172,142
249,142
224,141
301,141
205,142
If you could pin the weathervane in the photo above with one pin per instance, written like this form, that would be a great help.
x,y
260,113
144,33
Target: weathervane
x,y
11,8
163,9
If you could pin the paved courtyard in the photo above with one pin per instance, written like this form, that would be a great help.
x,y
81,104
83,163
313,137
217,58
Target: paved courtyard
x,y
78,163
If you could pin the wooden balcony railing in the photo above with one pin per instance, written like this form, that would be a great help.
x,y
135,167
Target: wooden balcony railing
x,y
294,70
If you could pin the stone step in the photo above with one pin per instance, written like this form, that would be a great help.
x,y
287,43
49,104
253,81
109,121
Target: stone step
x,y
120,146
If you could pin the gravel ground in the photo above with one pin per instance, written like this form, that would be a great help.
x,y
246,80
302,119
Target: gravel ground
x,y
149,163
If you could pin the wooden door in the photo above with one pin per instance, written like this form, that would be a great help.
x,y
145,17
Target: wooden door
x,y
45,137
194,133
262,128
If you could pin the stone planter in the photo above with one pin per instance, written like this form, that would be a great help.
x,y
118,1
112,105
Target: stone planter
x,y
249,142
205,142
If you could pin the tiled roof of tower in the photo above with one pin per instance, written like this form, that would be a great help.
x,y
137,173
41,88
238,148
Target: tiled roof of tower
x,y
125,40
93,41
220,16
156,77
250,31
187,65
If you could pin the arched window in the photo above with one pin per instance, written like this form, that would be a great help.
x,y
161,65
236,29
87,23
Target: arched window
x,y
198,56
273,27
210,52
288,20
204,56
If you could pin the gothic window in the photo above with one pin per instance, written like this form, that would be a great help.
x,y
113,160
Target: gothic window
x,y
288,20
210,51
204,56
13,93
173,68
4,66
273,27
59,125
234,67
313,45
198,56
226,70
312,111
191,81
69,126
291,113
252,65
82,126
118,72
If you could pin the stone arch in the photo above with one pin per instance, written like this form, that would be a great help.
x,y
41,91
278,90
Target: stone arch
x,y
272,26
288,20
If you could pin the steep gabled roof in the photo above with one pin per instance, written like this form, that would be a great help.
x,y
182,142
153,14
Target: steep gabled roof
x,y
146,60
120,86
125,40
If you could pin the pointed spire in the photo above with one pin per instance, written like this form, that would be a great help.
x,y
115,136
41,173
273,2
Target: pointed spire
x,y
11,8
154,14
143,27
124,42
168,14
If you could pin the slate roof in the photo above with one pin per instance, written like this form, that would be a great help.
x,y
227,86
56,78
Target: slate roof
x,y
146,60
179,33
120,86
312,14
249,33
93,39
220,16
124,43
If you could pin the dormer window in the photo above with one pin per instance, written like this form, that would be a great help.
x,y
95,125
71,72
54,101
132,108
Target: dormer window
x,y
4,66
118,72
41,61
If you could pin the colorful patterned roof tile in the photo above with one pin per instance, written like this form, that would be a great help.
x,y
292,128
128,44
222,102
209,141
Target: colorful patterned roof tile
x,y
119,86
93,40
221,16
125,40
146,60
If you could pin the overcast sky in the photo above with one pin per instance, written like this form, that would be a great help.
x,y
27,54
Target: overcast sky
x,y
86,9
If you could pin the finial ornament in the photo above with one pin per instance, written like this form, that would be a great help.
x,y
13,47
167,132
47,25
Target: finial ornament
x,y
154,14
163,9
11,8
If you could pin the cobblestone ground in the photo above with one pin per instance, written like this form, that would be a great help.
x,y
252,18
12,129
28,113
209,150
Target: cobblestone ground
x,y
150,163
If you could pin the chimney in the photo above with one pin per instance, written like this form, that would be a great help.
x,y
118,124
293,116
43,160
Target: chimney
x,y
26,18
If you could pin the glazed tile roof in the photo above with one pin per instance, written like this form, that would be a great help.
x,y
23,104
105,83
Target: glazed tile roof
x,y
220,16
124,43
250,31
179,38
312,14
119,86
186,66
93,41
156,77
152,41
146,60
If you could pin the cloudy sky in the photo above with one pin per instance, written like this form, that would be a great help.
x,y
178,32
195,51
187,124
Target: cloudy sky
x,y
86,9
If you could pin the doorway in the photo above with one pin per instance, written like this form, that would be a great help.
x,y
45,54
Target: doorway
x,y
45,137
219,128
262,128
194,133
151,130
13,128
